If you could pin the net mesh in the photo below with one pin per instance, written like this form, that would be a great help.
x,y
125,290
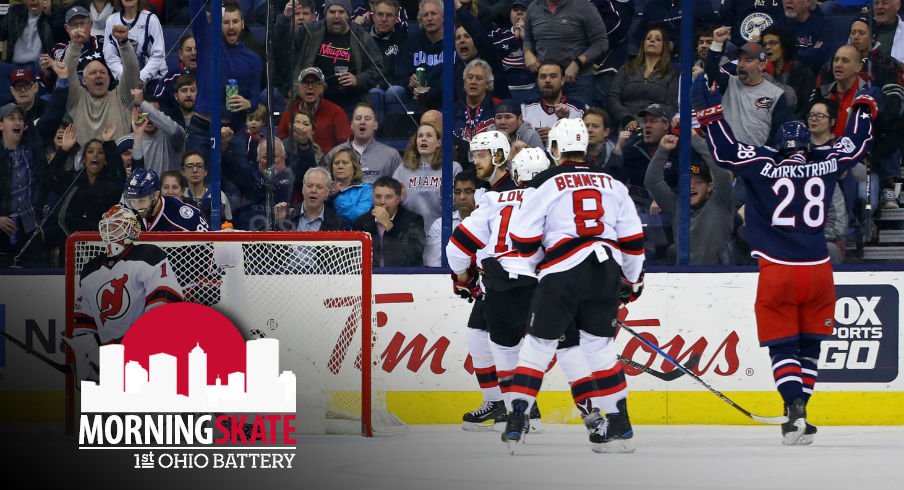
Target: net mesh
x,y
305,291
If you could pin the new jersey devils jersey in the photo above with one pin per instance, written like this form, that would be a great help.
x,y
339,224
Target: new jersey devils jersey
x,y
575,212
175,215
485,234
114,292
787,198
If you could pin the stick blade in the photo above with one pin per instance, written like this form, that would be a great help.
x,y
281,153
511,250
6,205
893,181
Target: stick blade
x,y
777,420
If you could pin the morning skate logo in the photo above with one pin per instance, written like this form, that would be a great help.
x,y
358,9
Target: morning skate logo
x,y
864,344
185,390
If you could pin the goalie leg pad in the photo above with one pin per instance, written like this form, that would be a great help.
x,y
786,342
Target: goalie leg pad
x,y
86,349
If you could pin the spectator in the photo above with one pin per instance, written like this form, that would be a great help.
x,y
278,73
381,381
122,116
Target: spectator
x,y
704,41
351,196
255,125
294,17
314,213
618,17
814,40
553,104
472,42
77,19
636,150
259,184
666,15
508,120
24,89
460,147
99,11
747,20
197,192
583,43
187,62
173,184
302,152
186,90
389,39
159,142
423,49
398,234
332,122
421,173
820,122
879,68
889,29
124,148
782,65
145,35
377,159
754,107
846,68
94,190
600,149
506,45
646,79
712,202
26,34
237,62
466,184
475,112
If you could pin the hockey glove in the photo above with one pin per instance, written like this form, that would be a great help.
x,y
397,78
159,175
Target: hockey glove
x,y
706,101
868,97
470,289
86,349
629,291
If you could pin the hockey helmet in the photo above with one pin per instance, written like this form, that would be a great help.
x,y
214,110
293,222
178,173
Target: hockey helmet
x,y
495,142
143,182
793,136
528,163
118,227
568,135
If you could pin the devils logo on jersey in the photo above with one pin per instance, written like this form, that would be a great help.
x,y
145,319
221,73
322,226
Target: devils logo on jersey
x,y
113,299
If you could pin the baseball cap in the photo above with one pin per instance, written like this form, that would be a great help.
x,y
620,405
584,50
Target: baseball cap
x,y
701,170
77,11
523,3
9,109
125,143
21,75
754,50
654,110
311,71
508,106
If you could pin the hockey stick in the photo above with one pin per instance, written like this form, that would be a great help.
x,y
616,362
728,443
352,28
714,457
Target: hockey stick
x,y
63,368
766,420
691,364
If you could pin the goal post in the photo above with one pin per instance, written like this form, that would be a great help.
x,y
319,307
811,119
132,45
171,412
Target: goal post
x,y
303,288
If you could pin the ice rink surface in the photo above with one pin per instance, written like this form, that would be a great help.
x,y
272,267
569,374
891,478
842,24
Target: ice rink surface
x,y
444,457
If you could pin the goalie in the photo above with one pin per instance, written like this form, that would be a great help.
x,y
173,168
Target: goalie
x,y
117,287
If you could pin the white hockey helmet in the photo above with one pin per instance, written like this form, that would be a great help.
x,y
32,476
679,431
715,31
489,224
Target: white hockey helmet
x,y
495,141
528,163
568,135
118,227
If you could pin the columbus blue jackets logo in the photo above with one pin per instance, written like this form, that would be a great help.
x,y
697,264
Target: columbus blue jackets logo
x,y
186,212
113,299
764,102
754,24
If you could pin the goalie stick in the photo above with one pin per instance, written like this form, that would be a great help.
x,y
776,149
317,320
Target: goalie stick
x,y
691,364
759,418
63,368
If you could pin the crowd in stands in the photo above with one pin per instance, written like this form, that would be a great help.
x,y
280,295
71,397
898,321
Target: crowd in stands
x,y
92,89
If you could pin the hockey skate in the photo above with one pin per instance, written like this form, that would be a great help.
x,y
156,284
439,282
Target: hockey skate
x,y
517,425
484,417
807,438
592,420
796,426
536,425
613,434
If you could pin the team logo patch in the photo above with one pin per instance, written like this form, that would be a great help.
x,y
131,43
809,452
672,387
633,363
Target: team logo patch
x,y
846,145
764,102
186,212
754,24
114,299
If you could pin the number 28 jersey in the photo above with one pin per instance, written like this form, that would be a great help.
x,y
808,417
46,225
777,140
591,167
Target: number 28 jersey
x,y
575,212
787,198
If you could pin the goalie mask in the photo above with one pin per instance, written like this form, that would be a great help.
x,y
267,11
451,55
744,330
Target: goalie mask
x,y
567,136
528,163
118,228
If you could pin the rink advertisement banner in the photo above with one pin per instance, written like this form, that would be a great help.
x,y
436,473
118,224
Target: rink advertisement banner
x,y
421,337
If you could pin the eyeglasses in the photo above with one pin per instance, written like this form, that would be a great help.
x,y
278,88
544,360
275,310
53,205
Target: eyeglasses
x,y
193,166
771,43
23,87
817,116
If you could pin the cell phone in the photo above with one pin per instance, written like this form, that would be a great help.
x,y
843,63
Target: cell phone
x,y
142,117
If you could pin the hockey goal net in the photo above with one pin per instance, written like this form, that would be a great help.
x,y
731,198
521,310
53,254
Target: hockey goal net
x,y
304,289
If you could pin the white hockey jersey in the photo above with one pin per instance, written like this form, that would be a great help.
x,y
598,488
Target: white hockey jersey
x,y
114,292
575,212
485,234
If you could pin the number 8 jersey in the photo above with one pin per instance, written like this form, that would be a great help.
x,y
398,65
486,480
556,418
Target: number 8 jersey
x,y
786,198
575,212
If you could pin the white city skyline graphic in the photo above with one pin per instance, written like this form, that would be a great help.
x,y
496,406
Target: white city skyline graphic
x,y
128,387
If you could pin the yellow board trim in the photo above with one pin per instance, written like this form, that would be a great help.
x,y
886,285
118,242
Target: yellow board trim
x,y
659,407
